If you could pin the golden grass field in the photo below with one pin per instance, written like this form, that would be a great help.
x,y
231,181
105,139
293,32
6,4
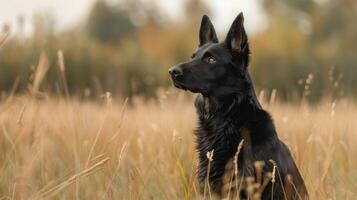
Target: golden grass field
x,y
54,148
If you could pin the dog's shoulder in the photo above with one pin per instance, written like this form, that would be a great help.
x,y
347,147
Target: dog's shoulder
x,y
260,126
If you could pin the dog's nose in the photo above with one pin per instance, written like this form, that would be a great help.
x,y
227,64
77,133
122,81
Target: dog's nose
x,y
175,71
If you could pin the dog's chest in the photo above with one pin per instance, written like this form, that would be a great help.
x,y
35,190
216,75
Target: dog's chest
x,y
219,135
216,133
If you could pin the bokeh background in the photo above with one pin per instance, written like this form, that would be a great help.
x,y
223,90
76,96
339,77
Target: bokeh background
x,y
303,49
87,110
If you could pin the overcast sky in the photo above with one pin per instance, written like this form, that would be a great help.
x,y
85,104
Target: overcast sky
x,y
70,12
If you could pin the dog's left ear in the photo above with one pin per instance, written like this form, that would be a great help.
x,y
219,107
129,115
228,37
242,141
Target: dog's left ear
x,y
207,32
237,39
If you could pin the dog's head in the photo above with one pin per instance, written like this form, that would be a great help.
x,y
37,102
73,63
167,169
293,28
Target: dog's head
x,y
216,68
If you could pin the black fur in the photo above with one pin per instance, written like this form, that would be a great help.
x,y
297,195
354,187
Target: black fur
x,y
229,111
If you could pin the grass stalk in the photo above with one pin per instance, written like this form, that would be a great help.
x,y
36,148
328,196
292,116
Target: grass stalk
x,y
207,182
58,188
62,69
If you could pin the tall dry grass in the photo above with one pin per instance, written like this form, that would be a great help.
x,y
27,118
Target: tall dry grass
x,y
71,149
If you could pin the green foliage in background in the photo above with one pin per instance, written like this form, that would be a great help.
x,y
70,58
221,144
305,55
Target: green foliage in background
x,y
308,39
108,24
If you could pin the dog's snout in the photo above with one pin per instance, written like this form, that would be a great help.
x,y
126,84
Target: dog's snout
x,y
175,71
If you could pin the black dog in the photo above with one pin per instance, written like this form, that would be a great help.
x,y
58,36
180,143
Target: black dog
x,y
229,112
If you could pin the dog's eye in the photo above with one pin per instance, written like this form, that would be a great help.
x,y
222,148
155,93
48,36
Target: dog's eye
x,y
210,60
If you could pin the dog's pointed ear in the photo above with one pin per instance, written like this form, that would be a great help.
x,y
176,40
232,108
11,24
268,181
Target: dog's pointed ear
x,y
207,32
237,39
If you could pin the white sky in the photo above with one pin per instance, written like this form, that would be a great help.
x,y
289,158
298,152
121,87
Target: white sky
x,y
69,12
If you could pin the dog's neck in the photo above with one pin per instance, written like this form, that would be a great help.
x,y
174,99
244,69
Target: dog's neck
x,y
227,106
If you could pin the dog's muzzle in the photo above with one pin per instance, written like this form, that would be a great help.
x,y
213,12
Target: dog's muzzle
x,y
175,72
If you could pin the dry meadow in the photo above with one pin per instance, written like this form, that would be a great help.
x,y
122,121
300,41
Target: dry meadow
x,y
55,148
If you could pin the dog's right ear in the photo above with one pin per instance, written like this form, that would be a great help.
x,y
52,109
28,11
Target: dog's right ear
x,y
237,39
207,32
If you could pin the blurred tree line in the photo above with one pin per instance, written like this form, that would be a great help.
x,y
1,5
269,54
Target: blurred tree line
x,y
308,49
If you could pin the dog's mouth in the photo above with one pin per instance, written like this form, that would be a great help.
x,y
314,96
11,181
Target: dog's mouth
x,y
178,84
